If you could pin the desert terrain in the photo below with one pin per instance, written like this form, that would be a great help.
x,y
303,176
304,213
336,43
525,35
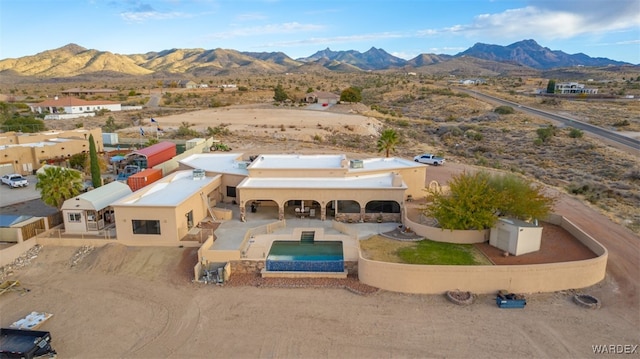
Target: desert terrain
x,y
122,302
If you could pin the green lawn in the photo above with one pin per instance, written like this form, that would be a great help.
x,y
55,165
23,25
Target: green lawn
x,y
430,252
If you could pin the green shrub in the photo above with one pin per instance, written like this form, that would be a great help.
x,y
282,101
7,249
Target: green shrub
x,y
575,133
504,110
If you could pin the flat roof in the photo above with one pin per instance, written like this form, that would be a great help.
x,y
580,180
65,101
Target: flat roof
x,y
217,162
298,161
381,181
232,163
168,191
385,163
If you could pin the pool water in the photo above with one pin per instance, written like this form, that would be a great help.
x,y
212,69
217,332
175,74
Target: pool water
x,y
296,256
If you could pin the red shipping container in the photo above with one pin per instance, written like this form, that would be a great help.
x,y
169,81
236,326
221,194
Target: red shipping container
x,y
158,153
143,178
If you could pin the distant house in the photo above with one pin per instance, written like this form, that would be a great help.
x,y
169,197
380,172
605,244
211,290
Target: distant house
x,y
185,84
574,88
73,107
88,92
322,98
472,81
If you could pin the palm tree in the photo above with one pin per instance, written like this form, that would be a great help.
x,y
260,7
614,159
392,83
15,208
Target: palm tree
x,y
388,141
58,184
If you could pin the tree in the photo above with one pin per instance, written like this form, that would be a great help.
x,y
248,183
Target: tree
x,y
470,204
58,184
351,94
551,86
475,201
520,198
388,141
279,94
151,141
26,124
96,176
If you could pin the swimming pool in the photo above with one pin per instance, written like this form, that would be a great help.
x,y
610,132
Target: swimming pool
x,y
296,256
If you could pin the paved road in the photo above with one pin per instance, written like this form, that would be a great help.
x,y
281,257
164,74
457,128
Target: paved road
x,y
630,144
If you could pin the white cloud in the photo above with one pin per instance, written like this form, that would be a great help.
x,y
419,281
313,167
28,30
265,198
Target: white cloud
x,y
549,20
251,17
141,16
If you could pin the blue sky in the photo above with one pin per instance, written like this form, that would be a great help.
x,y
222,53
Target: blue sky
x,y
404,28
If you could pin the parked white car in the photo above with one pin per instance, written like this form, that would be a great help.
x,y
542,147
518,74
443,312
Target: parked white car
x,y
15,180
429,159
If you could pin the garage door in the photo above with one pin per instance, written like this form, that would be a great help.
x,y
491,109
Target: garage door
x,y
6,168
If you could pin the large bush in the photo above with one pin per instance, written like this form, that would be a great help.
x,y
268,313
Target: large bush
x,y
475,201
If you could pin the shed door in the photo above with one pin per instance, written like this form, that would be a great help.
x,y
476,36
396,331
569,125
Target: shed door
x,y
503,240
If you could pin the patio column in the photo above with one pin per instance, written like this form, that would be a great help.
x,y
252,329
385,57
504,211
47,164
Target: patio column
x,y
323,211
362,213
242,212
280,212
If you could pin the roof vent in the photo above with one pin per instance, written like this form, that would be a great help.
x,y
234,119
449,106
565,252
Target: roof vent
x,y
356,164
242,165
198,174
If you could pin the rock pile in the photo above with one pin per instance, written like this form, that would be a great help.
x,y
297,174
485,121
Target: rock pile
x,y
22,261
79,255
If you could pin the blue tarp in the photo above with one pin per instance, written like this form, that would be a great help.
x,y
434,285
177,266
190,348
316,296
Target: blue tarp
x,y
116,159
8,220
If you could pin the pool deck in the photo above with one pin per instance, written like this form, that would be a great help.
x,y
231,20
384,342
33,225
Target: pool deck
x,y
230,234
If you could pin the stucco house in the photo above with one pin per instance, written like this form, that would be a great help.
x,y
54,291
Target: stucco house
x,y
91,212
574,88
321,187
322,97
185,84
73,106
76,91
330,185
25,152
167,209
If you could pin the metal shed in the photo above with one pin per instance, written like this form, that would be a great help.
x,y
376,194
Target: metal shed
x,y
515,236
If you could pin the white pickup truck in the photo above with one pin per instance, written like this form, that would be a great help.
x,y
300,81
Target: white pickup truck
x,y
429,159
15,180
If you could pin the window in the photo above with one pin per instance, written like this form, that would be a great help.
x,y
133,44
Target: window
x,y
382,207
75,217
189,216
142,226
231,191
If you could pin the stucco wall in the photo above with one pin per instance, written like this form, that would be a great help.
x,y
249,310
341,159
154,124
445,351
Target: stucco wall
x,y
434,279
446,235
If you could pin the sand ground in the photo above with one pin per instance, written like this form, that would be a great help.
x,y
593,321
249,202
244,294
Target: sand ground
x,y
119,302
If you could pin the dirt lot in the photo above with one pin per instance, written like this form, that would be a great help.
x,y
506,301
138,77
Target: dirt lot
x,y
140,302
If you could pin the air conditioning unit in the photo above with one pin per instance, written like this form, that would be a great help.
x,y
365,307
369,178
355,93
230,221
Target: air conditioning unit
x,y
356,164
198,174
242,165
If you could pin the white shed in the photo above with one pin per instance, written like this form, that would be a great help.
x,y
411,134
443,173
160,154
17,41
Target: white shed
x,y
91,212
515,236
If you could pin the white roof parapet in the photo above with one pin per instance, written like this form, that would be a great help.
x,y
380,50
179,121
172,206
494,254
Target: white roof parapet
x,y
168,191
382,181
216,162
298,161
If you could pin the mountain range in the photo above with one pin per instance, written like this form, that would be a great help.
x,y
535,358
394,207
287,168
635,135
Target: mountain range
x,y
481,59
